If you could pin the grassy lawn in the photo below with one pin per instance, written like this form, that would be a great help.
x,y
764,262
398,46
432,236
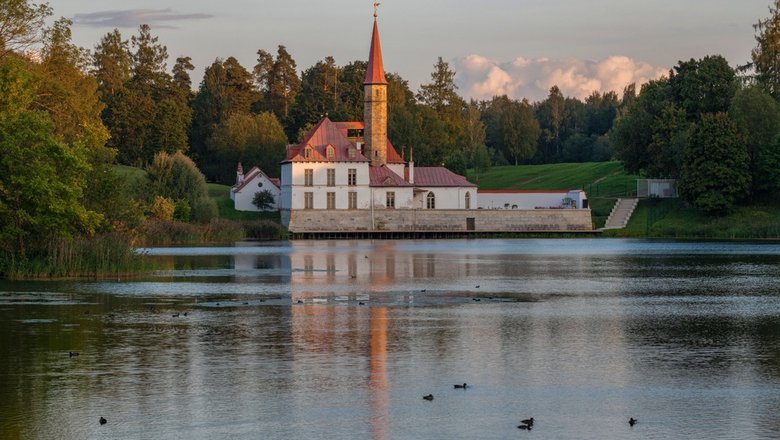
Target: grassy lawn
x,y
603,182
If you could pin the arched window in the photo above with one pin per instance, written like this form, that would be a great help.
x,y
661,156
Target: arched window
x,y
307,152
331,152
430,200
468,200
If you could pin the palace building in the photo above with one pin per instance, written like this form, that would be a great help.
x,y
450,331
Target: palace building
x,y
348,178
354,166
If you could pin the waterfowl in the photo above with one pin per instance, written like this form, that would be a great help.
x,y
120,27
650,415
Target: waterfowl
x,y
529,422
477,286
73,353
428,397
632,421
103,420
464,386
528,427
361,303
175,315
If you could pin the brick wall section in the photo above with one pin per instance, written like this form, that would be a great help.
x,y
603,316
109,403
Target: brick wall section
x,y
499,220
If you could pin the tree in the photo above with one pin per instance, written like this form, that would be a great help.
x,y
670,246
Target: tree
x,y
318,96
227,88
42,178
263,200
703,86
520,131
550,114
757,116
181,76
177,178
766,55
111,61
278,80
715,173
635,129
250,139
149,113
441,96
21,25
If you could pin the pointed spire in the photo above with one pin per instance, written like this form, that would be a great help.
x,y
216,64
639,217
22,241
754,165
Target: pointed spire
x,y
375,71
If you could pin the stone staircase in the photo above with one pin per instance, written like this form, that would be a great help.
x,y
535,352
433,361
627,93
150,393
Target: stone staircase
x,y
621,213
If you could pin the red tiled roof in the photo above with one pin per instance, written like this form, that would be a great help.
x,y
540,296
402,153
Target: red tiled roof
x,y
248,177
438,176
375,71
325,133
384,176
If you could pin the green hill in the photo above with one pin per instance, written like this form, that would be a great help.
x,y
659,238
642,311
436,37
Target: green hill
x,y
603,182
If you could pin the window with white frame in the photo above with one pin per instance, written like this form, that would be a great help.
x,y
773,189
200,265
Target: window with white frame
x,y
331,177
308,177
430,200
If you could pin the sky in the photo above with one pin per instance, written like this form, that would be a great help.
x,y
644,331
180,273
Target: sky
x,y
516,47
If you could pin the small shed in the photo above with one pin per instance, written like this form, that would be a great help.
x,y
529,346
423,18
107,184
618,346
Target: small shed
x,y
656,188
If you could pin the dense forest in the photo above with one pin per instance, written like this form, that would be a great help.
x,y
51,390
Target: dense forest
x,y
69,115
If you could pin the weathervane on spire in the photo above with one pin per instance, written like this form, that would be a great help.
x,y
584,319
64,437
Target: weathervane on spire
x,y
376,9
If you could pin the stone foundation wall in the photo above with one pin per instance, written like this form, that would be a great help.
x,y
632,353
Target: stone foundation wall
x,y
484,220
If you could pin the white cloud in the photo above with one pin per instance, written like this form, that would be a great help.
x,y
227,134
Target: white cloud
x,y
482,78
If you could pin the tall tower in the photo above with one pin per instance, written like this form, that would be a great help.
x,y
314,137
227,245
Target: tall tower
x,y
375,103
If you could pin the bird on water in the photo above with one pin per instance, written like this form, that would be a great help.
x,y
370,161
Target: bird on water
x,y
632,421
73,353
529,422
428,397
464,386
103,420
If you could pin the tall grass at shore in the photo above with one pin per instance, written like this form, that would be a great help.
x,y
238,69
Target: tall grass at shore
x,y
101,256
165,232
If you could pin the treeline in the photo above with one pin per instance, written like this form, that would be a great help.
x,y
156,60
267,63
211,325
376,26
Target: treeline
x,y
250,114
715,128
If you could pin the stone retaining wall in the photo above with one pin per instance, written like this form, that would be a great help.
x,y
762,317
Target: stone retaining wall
x,y
436,220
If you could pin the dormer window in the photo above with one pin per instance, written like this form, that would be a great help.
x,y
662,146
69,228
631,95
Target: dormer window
x,y
352,153
330,152
307,153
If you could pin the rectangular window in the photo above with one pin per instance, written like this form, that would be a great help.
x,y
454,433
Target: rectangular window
x,y
308,177
352,200
352,177
331,177
390,200
308,200
331,200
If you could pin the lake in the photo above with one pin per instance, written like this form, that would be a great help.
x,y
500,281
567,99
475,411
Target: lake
x,y
341,339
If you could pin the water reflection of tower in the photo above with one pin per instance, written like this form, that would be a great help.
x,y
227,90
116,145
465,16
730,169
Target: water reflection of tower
x,y
378,385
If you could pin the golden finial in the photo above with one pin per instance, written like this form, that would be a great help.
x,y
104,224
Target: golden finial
x,y
376,9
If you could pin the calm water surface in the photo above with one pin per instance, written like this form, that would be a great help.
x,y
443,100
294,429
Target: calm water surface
x,y
341,339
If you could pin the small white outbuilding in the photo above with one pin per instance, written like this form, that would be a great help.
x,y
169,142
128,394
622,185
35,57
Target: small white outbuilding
x,y
249,184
